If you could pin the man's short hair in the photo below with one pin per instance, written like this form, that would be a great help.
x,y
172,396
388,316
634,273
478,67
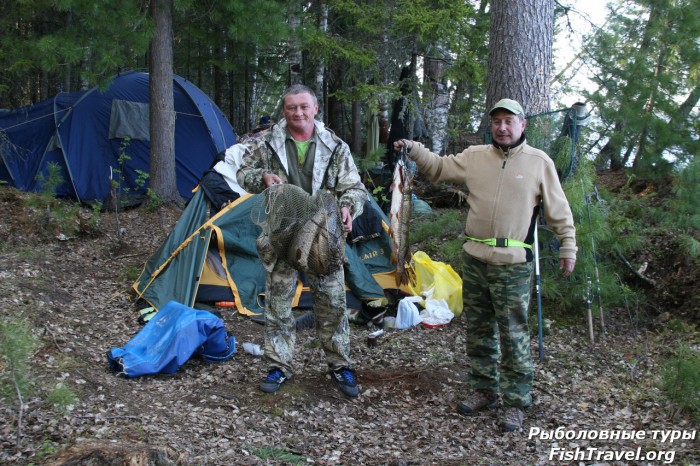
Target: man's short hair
x,y
295,89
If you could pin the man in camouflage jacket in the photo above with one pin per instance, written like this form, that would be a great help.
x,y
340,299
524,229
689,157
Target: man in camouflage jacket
x,y
301,151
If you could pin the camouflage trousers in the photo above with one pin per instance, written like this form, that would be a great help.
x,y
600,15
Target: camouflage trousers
x,y
330,316
496,300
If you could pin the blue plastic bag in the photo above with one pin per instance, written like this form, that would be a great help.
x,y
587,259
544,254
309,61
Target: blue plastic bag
x,y
170,339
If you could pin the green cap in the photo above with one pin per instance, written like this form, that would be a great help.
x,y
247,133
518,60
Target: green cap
x,y
509,105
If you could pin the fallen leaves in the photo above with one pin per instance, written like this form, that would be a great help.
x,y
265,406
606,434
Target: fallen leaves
x,y
411,381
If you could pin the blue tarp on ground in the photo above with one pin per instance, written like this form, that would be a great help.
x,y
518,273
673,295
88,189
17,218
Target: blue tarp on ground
x,y
170,339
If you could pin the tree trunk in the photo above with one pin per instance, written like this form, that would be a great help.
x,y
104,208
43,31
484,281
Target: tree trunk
x,y
67,78
219,62
611,151
295,56
356,144
162,106
436,110
640,150
520,53
321,69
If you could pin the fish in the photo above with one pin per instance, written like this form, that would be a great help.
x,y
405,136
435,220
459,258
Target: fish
x,y
399,218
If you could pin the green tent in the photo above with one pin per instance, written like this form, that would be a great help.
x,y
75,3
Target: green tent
x,y
215,259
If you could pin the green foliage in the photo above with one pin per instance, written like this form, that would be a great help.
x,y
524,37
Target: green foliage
x,y
132,273
62,398
445,224
153,201
690,246
279,454
683,209
117,181
56,217
141,178
440,236
618,230
680,380
374,158
368,167
47,449
50,183
93,223
647,61
17,345
90,40
680,326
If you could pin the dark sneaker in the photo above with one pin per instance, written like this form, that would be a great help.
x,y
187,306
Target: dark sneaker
x,y
476,402
345,377
513,419
274,380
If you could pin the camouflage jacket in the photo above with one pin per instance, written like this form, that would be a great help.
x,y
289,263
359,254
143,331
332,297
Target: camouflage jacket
x,y
334,168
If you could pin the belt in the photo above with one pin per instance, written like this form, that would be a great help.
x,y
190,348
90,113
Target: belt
x,y
501,242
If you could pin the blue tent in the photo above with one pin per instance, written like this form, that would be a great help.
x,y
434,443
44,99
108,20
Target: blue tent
x,y
96,136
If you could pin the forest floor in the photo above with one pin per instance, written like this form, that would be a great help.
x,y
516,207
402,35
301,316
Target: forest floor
x,y
594,403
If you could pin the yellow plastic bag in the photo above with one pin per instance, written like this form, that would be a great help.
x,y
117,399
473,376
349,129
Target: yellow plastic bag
x,y
437,280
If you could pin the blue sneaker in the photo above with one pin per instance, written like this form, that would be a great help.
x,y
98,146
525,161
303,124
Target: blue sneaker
x,y
345,377
274,380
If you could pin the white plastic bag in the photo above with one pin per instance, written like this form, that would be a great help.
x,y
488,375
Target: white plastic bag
x,y
252,348
407,315
436,313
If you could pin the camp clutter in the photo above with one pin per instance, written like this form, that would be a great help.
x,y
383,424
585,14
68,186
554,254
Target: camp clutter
x,y
438,293
212,259
206,259
213,254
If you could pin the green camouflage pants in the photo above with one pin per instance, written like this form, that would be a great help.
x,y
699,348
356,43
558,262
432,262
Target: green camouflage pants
x,y
496,300
330,315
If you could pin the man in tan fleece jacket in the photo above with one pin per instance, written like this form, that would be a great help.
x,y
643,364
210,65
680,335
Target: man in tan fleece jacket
x,y
507,181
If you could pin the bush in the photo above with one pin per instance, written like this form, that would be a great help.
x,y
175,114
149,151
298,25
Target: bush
x,y
17,344
680,380
62,398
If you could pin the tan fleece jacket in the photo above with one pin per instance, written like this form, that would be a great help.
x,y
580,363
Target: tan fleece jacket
x,y
504,190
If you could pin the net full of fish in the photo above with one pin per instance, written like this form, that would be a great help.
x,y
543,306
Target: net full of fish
x,y
399,218
303,230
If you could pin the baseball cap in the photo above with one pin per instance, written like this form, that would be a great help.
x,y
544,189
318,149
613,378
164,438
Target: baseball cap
x,y
510,105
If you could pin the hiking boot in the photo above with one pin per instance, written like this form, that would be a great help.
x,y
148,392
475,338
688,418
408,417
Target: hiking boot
x,y
476,402
513,419
345,377
274,380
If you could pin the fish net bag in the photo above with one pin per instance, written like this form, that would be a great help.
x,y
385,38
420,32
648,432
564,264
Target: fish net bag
x,y
306,231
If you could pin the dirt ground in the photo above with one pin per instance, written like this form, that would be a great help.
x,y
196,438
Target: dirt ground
x,y
599,401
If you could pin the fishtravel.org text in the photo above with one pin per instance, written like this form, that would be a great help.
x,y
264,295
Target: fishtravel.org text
x,y
591,453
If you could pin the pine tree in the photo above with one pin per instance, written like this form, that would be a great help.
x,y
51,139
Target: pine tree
x,y
649,73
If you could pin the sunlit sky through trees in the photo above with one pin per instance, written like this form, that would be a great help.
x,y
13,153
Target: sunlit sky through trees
x,y
582,20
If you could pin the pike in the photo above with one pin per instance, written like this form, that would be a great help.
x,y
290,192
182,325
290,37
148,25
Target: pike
x,y
399,217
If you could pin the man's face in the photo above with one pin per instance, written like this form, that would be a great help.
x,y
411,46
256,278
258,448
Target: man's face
x,y
299,111
506,128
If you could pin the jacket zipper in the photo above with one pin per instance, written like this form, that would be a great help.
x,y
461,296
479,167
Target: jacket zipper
x,y
492,225
277,157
